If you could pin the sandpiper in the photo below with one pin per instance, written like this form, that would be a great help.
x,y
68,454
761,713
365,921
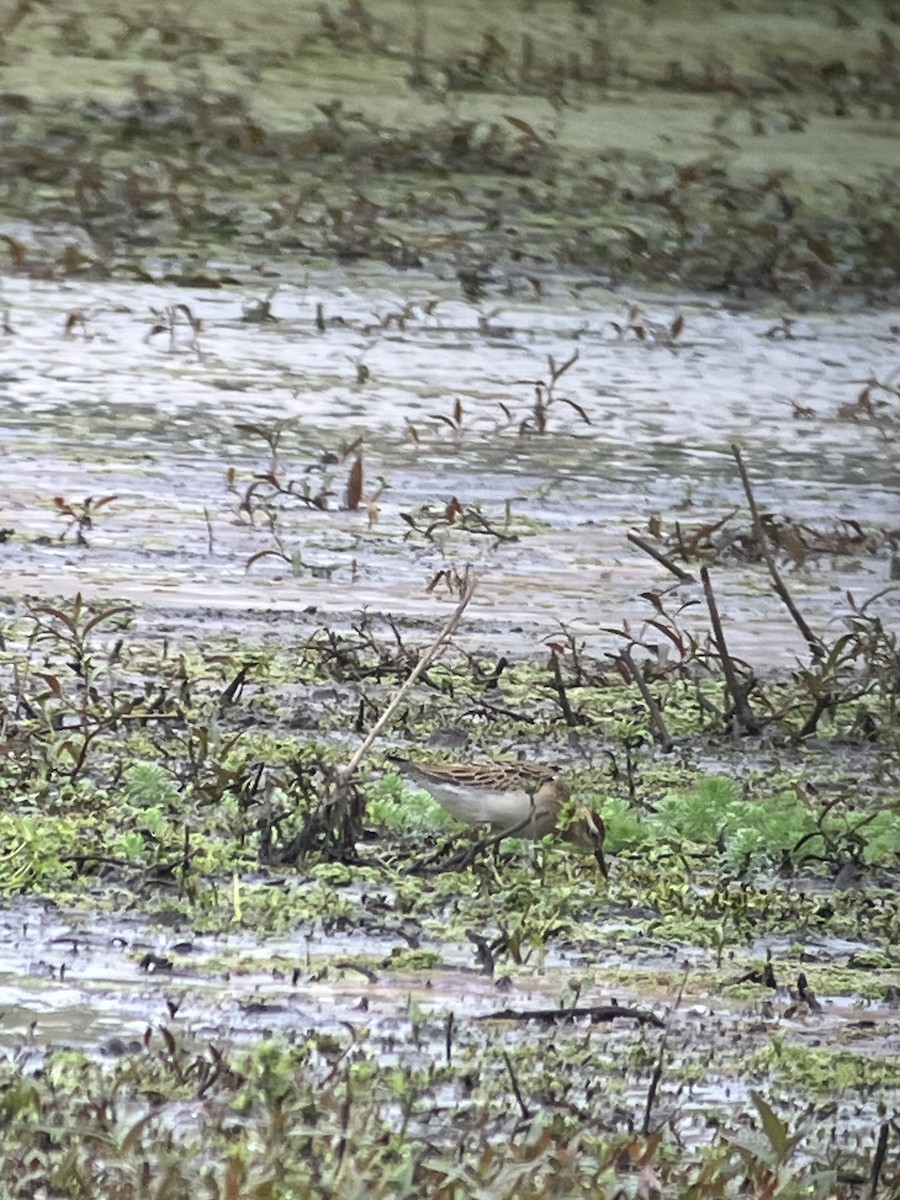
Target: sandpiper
x,y
523,799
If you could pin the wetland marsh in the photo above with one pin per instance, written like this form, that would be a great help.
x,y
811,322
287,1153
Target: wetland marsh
x,y
311,315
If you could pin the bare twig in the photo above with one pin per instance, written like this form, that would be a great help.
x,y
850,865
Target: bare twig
x,y
560,688
660,1064
517,1091
820,707
434,650
593,1012
738,692
816,647
209,531
656,721
878,1160
655,1079
662,559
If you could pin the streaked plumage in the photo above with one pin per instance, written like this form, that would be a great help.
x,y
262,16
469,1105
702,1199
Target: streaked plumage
x,y
523,798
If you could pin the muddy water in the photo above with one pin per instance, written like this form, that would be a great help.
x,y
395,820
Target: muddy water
x,y
82,978
154,419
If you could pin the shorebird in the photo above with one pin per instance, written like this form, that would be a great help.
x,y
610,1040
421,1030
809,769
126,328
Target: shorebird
x,y
515,798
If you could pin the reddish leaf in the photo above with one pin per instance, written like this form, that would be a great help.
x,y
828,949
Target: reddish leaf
x,y
523,127
195,323
454,425
264,554
623,670
669,633
100,617
53,684
453,509
577,408
355,483
16,251
558,371
58,614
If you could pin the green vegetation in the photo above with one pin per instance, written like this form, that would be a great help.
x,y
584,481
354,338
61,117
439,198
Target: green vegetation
x,y
185,775
752,835
325,987
285,1120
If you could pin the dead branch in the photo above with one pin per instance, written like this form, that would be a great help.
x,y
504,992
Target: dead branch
x,y
878,1160
662,559
560,688
815,644
659,726
593,1012
434,650
737,691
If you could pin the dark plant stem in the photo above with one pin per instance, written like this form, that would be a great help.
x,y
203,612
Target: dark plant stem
x,y
660,733
523,1107
346,1108
651,1091
662,559
658,1069
186,858
878,1160
821,706
630,774
418,77
816,647
560,688
737,691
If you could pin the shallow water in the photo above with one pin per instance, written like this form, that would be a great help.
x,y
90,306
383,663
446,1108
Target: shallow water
x,y
75,980
154,421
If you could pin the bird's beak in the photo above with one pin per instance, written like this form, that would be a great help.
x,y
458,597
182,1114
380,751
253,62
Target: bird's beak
x,y
601,861
596,830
